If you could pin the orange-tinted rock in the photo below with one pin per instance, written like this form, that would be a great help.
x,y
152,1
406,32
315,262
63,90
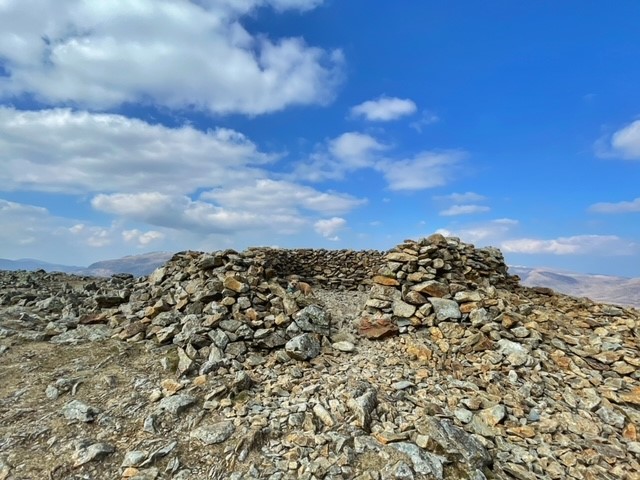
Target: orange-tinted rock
x,y
377,328
388,281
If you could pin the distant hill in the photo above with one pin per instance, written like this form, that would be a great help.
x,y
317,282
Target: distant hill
x,y
137,265
33,265
601,288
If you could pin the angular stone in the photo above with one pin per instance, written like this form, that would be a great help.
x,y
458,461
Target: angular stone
x,y
363,406
432,288
384,280
454,440
176,404
403,309
415,298
77,410
424,462
313,319
445,309
213,434
516,353
377,328
235,284
95,451
467,296
401,257
303,347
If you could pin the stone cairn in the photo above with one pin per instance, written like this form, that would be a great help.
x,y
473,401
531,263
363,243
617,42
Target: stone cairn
x,y
436,279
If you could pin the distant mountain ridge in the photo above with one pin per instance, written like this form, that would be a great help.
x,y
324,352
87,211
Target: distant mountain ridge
x,y
137,265
601,288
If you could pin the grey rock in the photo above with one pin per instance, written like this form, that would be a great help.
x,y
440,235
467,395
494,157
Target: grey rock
x,y
303,347
611,417
215,433
344,346
445,309
134,458
403,309
456,441
160,453
363,406
95,451
79,411
424,462
313,319
516,353
176,404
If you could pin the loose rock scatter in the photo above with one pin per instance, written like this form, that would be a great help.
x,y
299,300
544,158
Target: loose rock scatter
x,y
427,361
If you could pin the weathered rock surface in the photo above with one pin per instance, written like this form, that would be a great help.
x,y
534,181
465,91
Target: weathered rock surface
x,y
427,362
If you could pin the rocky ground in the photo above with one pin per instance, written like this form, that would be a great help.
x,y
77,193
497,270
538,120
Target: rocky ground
x,y
213,369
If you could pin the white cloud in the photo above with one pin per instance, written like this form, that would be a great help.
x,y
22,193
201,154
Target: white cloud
x,y
384,109
176,53
346,153
608,245
462,197
182,213
75,152
355,149
484,233
425,170
625,143
271,196
464,210
142,238
329,228
618,207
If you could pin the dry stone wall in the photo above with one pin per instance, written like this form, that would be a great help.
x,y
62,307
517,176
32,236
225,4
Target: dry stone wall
x,y
334,269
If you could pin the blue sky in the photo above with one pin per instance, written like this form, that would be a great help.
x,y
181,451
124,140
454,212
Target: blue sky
x,y
128,127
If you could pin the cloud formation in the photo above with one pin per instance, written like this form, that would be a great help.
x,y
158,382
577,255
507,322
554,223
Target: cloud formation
x,y
467,209
66,151
609,245
176,53
329,228
617,207
428,169
384,109
624,143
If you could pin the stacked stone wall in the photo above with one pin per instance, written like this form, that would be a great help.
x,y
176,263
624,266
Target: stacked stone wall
x,y
332,269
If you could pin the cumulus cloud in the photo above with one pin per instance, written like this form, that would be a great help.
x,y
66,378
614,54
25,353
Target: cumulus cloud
x,y
354,151
329,227
624,143
277,196
61,150
425,170
176,53
346,153
384,109
618,207
182,213
142,238
483,233
575,245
